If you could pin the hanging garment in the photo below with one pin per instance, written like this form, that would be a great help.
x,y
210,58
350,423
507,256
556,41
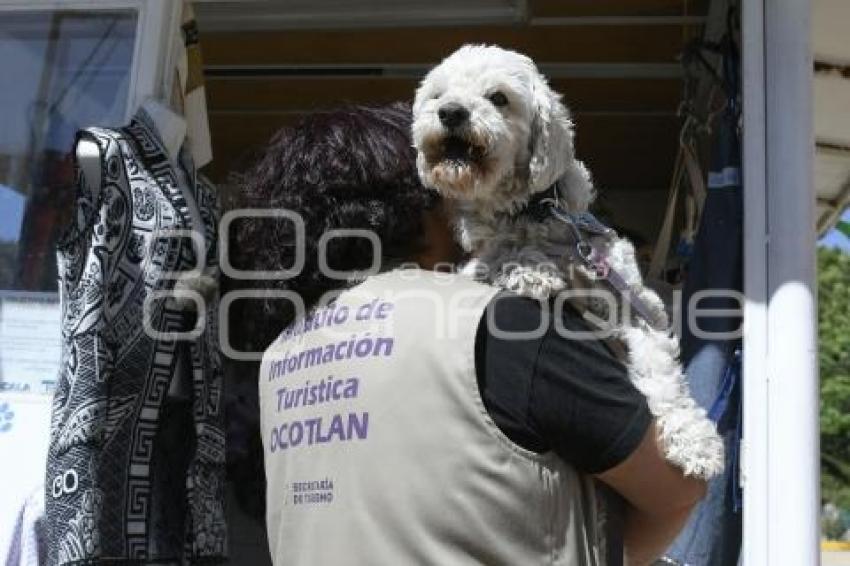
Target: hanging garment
x,y
135,472
27,545
712,536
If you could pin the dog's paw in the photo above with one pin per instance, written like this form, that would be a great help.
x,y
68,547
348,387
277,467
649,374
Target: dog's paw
x,y
188,288
532,283
476,269
657,311
691,442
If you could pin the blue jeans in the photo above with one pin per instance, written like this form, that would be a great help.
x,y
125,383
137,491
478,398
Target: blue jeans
x,y
712,535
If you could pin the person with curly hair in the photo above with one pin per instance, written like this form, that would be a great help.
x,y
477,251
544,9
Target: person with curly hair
x,y
410,416
346,169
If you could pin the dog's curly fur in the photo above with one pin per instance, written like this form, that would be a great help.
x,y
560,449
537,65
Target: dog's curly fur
x,y
516,140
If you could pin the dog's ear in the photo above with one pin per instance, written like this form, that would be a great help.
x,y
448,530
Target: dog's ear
x,y
576,187
551,137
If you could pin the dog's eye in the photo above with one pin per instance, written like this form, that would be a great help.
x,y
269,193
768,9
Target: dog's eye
x,y
498,98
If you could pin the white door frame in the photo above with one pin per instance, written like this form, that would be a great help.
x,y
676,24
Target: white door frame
x,y
156,29
780,452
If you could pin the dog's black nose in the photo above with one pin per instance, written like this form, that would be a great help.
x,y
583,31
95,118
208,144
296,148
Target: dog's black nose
x,y
453,115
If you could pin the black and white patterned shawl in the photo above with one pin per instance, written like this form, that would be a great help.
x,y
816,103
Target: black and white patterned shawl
x,y
131,476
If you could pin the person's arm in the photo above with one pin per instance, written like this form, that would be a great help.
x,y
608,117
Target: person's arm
x,y
596,419
660,499
574,397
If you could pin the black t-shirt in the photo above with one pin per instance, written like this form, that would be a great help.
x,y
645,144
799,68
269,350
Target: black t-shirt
x,y
551,392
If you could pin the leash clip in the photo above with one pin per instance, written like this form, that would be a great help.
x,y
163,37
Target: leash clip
x,y
588,255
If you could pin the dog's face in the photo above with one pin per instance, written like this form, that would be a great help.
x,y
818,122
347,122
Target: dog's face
x,y
488,128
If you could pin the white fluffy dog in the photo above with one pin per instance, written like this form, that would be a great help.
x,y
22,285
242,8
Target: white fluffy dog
x,y
492,135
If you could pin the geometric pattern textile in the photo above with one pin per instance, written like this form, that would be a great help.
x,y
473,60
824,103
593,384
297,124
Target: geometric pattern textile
x,y
135,475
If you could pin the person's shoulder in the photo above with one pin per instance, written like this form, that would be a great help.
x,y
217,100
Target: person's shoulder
x,y
507,305
412,278
510,317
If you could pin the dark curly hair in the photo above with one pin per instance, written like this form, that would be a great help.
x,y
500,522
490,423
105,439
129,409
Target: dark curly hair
x,y
351,168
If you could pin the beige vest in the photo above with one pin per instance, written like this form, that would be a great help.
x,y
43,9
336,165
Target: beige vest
x,y
379,451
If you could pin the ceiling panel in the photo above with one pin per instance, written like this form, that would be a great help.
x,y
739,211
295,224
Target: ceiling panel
x,y
832,109
234,15
305,93
624,152
830,21
616,8
591,44
832,170
244,15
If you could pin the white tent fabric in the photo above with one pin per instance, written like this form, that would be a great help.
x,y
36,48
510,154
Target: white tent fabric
x,y
831,50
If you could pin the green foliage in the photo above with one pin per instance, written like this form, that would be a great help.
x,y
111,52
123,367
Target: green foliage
x,y
834,359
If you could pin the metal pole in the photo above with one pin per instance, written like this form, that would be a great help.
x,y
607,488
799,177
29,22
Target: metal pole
x,y
754,444
793,435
